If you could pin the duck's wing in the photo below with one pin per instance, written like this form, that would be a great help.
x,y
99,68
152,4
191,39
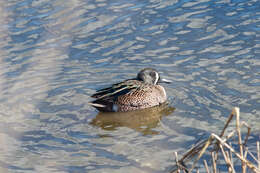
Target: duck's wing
x,y
106,97
116,90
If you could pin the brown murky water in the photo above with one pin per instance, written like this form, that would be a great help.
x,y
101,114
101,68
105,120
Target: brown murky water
x,y
55,54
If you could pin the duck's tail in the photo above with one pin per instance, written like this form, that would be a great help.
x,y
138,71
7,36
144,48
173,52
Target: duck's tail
x,y
102,105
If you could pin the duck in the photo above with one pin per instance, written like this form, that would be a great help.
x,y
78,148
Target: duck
x,y
138,93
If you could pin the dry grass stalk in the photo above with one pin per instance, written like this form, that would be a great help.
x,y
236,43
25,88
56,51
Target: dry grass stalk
x,y
230,162
214,164
258,153
246,162
220,143
251,155
227,160
177,163
206,166
237,113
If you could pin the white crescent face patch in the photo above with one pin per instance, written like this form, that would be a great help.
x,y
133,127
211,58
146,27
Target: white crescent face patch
x,y
156,78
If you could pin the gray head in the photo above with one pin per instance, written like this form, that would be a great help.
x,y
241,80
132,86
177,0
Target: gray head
x,y
151,76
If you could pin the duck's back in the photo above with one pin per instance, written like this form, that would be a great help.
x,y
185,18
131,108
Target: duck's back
x,y
145,96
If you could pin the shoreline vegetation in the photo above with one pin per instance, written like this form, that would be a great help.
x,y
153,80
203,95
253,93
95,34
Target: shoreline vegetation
x,y
228,151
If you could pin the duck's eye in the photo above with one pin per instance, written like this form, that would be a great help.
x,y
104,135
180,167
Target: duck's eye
x,y
152,74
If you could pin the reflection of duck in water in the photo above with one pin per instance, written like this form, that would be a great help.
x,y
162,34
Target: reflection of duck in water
x,y
143,120
133,94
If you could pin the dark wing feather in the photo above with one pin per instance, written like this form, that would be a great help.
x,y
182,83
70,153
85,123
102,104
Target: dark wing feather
x,y
115,90
106,97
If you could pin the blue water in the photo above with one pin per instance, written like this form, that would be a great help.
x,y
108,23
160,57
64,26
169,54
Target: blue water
x,y
55,54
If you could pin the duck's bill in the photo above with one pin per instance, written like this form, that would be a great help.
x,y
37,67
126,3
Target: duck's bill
x,y
164,81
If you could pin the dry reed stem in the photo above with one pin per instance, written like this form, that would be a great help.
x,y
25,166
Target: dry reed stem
x,y
206,166
230,161
230,117
237,113
214,165
251,155
231,156
230,168
248,163
232,133
202,151
258,153
200,148
193,151
177,161
248,132
179,164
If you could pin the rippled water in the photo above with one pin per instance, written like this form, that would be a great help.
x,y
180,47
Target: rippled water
x,y
55,54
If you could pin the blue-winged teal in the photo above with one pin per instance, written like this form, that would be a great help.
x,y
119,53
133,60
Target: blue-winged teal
x,y
132,94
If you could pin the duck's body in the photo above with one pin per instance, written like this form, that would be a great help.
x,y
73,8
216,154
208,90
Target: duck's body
x,y
134,94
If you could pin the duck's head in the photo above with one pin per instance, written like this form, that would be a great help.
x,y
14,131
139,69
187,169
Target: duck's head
x,y
151,76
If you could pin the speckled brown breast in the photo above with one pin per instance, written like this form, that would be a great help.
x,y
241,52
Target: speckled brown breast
x,y
146,96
